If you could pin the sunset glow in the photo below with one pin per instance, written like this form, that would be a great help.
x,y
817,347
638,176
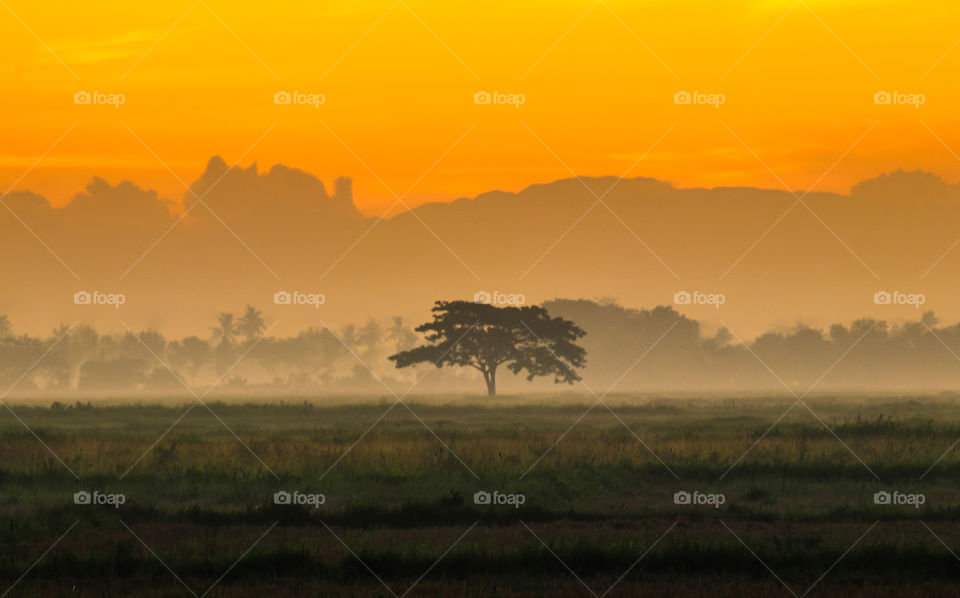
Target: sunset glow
x,y
398,81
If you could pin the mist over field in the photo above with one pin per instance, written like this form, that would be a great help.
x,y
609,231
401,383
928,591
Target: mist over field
x,y
629,350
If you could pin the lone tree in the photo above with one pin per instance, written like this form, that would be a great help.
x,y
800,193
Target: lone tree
x,y
484,337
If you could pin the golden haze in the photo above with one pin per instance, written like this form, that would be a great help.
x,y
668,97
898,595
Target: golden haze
x,y
399,80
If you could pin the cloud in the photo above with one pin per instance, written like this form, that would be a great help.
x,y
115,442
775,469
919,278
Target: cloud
x,y
127,45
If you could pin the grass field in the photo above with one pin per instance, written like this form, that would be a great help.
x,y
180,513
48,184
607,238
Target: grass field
x,y
399,516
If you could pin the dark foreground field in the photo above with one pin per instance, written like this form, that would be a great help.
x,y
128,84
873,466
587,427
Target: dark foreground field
x,y
792,514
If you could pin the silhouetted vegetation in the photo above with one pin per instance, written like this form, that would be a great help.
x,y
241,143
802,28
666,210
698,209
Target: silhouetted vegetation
x,y
630,349
484,337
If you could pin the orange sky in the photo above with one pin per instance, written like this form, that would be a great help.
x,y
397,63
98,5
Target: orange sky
x,y
399,79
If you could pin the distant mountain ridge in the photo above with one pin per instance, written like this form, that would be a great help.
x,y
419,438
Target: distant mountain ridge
x,y
778,261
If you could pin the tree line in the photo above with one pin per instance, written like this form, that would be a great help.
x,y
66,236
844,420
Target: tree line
x,y
233,351
626,349
678,354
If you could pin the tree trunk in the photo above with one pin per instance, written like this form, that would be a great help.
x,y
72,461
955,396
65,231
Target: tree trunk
x,y
491,380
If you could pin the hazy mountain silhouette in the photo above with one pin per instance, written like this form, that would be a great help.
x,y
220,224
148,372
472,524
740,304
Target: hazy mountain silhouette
x,y
256,233
244,192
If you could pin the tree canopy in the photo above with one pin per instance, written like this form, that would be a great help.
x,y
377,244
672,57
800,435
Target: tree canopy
x,y
484,337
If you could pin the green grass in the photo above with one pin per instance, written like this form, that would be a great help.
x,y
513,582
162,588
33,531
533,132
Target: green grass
x,y
399,498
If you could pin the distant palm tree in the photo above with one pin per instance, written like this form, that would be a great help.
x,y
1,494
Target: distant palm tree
x,y
251,324
225,332
6,329
395,333
348,334
400,334
371,335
